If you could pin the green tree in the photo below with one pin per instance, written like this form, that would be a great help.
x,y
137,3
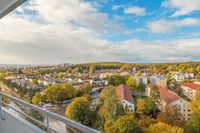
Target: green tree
x,y
117,80
109,108
193,125
149,105
141,87
155,96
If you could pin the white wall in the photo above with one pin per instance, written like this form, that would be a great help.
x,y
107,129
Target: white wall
x,y
128,105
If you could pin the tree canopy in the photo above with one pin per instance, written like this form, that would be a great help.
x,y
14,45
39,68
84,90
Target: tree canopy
x,y
59,92
124,124
79,110
163,128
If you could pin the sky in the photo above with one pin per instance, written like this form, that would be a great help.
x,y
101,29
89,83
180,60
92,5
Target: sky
x,y
80,31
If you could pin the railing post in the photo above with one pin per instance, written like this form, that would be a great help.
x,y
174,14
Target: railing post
x,y
0,103
48,128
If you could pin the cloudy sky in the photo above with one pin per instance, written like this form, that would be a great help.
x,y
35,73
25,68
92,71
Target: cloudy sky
x,y
79,31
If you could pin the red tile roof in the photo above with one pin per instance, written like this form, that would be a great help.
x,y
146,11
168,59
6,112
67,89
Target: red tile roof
x,y
123,93
165,94
191,85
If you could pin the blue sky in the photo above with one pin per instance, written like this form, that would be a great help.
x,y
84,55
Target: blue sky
x,y
136,24
79,31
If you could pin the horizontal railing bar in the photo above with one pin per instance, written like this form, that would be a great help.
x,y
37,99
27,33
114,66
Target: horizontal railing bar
x,y
35,120
32,118
65,120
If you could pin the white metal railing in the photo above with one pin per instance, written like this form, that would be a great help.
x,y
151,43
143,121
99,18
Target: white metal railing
x,y
46,113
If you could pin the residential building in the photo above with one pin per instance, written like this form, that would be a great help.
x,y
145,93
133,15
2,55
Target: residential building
x,y
153,78
124,73
168,97
189,75
124,95
141,80
196,82
179,77
190,89
161,81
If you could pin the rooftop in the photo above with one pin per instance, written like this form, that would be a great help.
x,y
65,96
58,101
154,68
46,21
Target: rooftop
x,y
123,93
191,85
165,94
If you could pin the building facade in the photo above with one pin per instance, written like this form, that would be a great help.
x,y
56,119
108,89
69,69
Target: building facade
x,y
168,97
124,96
190,89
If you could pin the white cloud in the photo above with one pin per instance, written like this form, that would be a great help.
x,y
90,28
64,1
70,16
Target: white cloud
x,y
39,44
116,7
166,26
56,34
182,7
78,12
136,10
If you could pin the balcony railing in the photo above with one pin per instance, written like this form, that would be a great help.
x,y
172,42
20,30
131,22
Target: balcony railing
x,y
74,126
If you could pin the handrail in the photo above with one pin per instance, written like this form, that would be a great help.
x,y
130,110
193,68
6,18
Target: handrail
x,y
47,113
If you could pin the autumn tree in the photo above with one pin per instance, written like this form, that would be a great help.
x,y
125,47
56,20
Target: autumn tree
x,y
193,125
145,121
37,98
79,110
195,104
163,128
140,106
92,69
171,115
131,83
124,124
125,67
58,92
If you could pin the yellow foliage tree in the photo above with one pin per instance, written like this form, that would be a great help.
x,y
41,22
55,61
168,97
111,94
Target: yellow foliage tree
x,y
37,98
79,110
163,128
140,106
131,83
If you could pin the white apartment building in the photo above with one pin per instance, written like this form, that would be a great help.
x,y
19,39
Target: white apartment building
x,y
190,89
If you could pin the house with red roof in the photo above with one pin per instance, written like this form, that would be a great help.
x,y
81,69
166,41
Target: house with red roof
x,y
124,95
167,97
190,89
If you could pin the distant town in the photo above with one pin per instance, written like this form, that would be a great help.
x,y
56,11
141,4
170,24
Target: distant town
x,y
112,97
